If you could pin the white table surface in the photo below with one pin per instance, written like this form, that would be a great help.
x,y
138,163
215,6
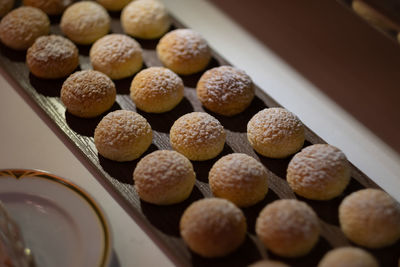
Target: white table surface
x,y
28,142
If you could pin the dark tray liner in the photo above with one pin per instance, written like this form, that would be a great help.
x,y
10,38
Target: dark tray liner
x,y
161,223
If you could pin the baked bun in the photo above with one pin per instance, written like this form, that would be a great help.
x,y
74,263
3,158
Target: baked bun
x,y
164,177
225,90
88,93
213,227
20,28
288,227
268,263
348,256
184,51
239,178
370,218
156,90
113,5
84,22
123,135
198,136
275,133
52,57
50,7
319,172
5,6
117,55
146,19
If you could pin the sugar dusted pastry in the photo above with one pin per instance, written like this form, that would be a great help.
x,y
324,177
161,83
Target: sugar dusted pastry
x,y
88,93
5,6
117,55
198,136
52,57
225,90
275,133
20,27
123,135
84,22
213,227
113,5
348,256
146,19
184,51
50,7
239,178
164,177
370,218
319,172
156,90
288,227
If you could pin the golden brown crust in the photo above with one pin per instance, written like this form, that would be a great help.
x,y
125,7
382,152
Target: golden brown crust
x,y
146,19
319,172
348,256
113,5
184,51
20,28
85,22
198,136
156,90
288,227
164,177
52,57
51,7
239,178
275,133
213,227
88,93
225,90
370,218
5,6
117,55
123,135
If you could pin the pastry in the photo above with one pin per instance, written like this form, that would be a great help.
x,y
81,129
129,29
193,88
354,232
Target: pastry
x,y
348,256
156,90
5,6
225,90
50,7
113,5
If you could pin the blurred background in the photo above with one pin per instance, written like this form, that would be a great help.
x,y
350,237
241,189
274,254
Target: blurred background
x,y
348,49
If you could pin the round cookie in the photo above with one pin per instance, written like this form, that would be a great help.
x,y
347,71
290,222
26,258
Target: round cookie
x,y
123,135
239,178
146,19
50,7
156,90
348,256
5,6
20,27
319,172
113,5
268,263
117,55
84,22
88,93
213,227
198,136
164,177
288,227
275,133
370,218
52,57
184,51
225,90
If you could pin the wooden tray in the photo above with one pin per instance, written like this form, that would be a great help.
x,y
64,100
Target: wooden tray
x,y
161,223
